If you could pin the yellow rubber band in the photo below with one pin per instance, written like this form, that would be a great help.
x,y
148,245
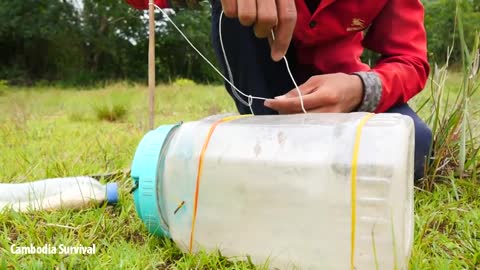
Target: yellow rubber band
x,y
356,148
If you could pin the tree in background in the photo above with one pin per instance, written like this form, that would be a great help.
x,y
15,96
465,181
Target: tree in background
x,y
175,58
55,40
38,39
440,23
111,31
90,40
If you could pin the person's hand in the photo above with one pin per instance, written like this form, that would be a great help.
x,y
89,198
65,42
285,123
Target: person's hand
x,y
265,15
340,92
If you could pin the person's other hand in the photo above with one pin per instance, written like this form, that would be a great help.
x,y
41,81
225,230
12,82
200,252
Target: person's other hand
x,y
339,92
265,15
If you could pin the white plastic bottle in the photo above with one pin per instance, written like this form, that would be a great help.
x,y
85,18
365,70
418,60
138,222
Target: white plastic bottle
x,y
57,193
315,191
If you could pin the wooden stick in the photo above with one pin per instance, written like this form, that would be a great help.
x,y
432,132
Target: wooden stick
x,y
151,64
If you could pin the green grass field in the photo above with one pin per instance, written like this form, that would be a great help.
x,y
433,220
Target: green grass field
x,y
49,132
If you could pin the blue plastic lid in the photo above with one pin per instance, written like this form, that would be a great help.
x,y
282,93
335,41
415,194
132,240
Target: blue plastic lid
x,y
144,175
112,193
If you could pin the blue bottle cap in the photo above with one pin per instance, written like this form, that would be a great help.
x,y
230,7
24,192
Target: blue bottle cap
x,y
112,193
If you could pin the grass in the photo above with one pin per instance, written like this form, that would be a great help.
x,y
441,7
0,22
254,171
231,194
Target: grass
x,y
47,132
108,112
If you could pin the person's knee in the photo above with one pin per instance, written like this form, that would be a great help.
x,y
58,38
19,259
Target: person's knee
x,y
424,134
423,139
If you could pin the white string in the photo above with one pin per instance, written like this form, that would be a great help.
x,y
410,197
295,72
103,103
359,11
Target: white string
x,y
229,70
293,79
250,103
204,58
249,97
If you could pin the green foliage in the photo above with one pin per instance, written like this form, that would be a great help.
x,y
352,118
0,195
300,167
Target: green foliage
x,y
370,57
451,115
56,40
183,83
111,113
110,31
37,39
175,58
77,116
3,87
440,23
40,137
52,144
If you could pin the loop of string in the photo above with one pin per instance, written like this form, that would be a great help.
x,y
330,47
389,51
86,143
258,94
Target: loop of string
x,y
230,81
227,64
250,102
291,77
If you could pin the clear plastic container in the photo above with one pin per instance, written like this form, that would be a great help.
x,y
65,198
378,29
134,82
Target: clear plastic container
x,y
279,189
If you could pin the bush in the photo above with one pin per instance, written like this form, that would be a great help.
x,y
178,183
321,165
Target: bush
x,y
3,87
111,113
184,83
455,146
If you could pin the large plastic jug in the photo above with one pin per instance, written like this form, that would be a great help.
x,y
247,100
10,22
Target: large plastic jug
x,y
313,191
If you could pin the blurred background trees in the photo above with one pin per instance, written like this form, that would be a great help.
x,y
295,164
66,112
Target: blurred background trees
x,y
80,42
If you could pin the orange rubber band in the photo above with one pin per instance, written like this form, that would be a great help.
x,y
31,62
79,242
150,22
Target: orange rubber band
x,y
353,175
200,168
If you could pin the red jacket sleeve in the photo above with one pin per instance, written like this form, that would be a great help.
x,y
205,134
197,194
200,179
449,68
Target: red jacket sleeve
x,y
143,4
398,34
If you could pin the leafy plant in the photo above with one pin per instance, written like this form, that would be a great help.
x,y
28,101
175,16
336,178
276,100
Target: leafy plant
x,y
454,148
3,87
183,82
111,113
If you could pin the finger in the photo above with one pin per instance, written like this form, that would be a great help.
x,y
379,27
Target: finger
x,y
323,109
247,11
306,88
266,17
287,18
230,8
294,93
302,90
294,105
270,40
